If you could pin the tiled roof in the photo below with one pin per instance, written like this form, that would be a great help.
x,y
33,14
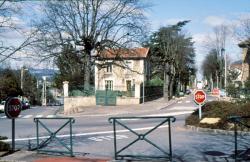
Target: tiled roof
x,y
125,53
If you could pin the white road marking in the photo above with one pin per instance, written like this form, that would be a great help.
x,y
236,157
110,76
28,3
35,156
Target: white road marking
x,y
179,102
173,113
183,108
210,100
27,116
107,138
188,101
87,134
51,116
163,114
128,119
39,116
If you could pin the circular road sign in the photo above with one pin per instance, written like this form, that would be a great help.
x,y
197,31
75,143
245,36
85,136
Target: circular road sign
x,y
12,107
199,96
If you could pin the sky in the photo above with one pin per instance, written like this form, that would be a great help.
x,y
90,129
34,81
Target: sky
x,y
204,16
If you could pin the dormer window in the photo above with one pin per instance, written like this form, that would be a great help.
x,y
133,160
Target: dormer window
x,y
129,66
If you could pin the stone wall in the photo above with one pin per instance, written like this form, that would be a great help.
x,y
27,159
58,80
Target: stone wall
x,y
71,104
74,104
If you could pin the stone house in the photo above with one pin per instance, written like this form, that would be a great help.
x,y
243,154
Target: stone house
x,y
246,59
237,67
122,70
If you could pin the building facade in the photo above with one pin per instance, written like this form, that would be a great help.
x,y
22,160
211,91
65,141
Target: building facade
x,y
246,59
122,70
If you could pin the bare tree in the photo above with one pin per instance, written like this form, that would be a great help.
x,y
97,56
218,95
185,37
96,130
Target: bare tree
x,y
89,25
217,42
242,31
8,24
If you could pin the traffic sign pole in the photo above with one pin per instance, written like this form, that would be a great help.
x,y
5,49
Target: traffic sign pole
x,y
12,109
13,135
200,98
200,112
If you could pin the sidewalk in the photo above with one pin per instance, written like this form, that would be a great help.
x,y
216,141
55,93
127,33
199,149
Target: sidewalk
x,y
122,109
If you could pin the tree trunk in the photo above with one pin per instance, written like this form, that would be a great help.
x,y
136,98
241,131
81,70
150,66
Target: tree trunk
x,y
166,82
171,87
87,71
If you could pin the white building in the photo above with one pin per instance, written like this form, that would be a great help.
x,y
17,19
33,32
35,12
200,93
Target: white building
x,y
122,70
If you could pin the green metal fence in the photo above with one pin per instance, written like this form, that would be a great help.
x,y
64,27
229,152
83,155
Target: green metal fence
x,y
41,145
243,123
167,156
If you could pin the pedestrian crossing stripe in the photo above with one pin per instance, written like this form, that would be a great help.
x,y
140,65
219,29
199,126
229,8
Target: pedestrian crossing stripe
x,y
29,116
3,117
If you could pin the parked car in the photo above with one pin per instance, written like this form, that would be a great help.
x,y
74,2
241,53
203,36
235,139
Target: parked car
x,y
222,93
25,105
188,91
181,94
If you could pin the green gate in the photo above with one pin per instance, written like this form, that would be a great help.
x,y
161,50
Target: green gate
x,y
106,97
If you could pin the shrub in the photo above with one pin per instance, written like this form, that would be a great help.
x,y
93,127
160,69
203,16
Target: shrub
x,y
218,109
4,146
155,82
232,90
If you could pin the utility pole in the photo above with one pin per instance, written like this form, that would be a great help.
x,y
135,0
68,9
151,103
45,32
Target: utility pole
x,y
225,58
44,101
223,54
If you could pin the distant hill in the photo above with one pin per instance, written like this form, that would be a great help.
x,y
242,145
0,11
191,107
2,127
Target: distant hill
x,y
39,73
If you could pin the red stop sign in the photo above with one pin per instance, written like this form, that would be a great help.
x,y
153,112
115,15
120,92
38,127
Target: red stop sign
x,y
199,96
12,107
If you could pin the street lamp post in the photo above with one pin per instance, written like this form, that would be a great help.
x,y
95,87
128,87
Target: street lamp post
x,y
22,74
44,100
225,66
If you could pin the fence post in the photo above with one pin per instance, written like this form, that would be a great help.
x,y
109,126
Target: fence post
x,y
137,91
66,88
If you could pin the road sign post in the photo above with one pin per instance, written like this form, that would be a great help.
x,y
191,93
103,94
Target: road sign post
x,y
200,98
12,109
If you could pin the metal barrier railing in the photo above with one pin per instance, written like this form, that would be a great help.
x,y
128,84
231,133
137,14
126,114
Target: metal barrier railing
x,y
239,121
142,137
53,136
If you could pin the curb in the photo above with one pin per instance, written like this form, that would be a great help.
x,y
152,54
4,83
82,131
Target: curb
x,y
215,131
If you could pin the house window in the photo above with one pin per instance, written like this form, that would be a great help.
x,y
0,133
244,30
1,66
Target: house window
x,y
109,84
109,68
129,66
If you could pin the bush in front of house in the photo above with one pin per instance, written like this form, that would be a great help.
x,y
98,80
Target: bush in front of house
x,y
219,109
